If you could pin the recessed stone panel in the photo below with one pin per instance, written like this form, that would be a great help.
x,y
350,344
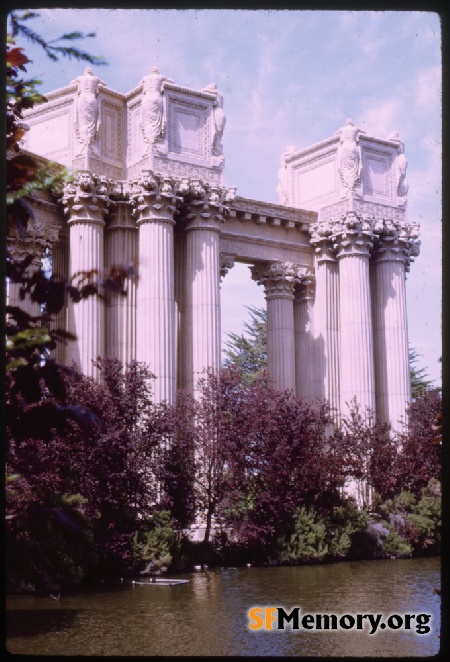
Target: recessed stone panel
x,y
315,180
376,175
50,135
188,130
111,136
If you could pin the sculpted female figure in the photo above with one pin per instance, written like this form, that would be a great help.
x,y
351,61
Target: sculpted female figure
x,y
219,119
87,115
281,189
153,104
349,153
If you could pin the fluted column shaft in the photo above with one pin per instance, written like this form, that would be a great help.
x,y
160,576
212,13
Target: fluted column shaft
x,y
392,372
304,341
202,295
155,201
326,373
86,206
279,280
121,248
354,242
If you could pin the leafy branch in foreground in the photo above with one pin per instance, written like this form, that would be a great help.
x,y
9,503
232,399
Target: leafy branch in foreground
x,y
20,28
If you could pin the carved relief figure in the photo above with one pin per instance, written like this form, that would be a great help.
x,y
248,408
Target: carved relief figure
x,y
402,187
350,165
152,117
87,116
281,189
219,119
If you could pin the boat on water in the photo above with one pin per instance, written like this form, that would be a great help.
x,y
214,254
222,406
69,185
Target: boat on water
x,y
160,581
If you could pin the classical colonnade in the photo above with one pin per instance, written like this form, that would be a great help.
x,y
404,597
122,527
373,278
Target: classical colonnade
x,y
337,330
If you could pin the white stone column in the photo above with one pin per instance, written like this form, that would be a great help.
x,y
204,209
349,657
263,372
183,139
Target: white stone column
x,y
86,204
326,352
354,237
279,280
180,306
202,294
121,248
394,248
304,339
155,202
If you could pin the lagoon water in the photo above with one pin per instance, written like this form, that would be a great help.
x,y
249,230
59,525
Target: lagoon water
x,y
209,615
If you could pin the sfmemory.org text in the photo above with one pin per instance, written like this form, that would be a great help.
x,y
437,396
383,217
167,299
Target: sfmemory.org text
x,y
277,618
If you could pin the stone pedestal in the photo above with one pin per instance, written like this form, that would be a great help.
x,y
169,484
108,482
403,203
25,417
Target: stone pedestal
x,y
121,248
155,205
86,204
354,240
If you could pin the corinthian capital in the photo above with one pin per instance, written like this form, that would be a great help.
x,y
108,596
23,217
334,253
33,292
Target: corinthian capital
x,y
154,197
353,235
34,241
86,199
322,233
280,278
207,204
396,241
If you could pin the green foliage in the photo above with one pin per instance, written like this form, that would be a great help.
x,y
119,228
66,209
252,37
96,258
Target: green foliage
x,y
415,523
48,546
418,376
325,536
308,541
394,545
344,521
249,352
425,521
53,49
157,545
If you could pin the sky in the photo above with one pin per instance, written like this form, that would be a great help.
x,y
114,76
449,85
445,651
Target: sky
x,y
289,77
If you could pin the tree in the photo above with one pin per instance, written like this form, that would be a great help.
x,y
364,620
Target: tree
x,y
418,376
260,453
249,352
420,453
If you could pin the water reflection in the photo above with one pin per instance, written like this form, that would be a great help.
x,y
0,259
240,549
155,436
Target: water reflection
x,y
208,616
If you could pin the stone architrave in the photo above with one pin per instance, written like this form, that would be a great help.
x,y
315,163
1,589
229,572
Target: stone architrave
x,y
153,111
326,352
279,280
397,244
86,204
155,200
304,337
206,209
121,249
350,163
353,237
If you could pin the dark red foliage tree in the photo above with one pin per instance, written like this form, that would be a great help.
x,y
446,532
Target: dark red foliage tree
x,y
420,455
259,455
